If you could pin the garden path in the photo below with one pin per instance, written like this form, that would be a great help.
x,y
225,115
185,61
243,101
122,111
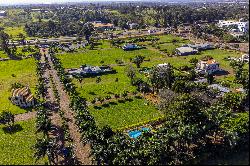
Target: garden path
x,y
81,151
25,116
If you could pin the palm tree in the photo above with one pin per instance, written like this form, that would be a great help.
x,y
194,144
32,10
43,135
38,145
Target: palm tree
x,y
43,123
46,146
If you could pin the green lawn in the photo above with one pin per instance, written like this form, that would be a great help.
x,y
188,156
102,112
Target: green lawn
x,y
106,85
125,115
23,53
3,55
169,38
22,71
122,115
14,31
108,56
16,148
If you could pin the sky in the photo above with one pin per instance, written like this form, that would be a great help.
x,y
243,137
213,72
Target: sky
x,y
47,1
15,2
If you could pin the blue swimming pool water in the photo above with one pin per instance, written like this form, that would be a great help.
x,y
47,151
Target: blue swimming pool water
x,y
145,129
137,133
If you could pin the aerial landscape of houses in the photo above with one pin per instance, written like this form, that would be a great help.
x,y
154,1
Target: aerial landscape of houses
x,y
135,82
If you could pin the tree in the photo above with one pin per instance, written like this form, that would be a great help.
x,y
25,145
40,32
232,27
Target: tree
x,y
238,69
6,117
46,146
162,77
236,129
130,71
98,79
4,42
87,30
138,60
43,123
233,100
179,86
217,114
210,78
193,61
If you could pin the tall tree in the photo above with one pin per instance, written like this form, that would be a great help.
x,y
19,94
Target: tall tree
x,y
138,60
162,76
4,42
87,30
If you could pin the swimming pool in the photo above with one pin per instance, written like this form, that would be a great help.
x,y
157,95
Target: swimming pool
x,y
136,133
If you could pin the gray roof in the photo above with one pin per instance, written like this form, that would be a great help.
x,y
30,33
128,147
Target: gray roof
x,y
186,49
219,87
195,46
201,80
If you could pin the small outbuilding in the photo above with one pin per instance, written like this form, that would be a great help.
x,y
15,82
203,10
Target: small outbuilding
x,y
22,97
182,51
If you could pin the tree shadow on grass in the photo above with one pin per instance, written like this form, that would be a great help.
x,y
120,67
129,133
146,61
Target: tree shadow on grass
x,y
129,99
121,101
97,107
12,129
138,97
92,93
106,105
221,73
112,103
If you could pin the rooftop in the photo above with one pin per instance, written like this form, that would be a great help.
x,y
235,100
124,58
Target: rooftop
x,y
219,87
186,49
98,25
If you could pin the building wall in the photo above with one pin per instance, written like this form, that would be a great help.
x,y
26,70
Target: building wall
x,y
3,14
19,101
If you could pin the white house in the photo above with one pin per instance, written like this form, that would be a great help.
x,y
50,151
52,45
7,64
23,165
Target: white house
x,y
242,26
22,97
3,13
210,66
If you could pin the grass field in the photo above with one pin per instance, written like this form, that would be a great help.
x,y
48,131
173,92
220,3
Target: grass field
x,y
22,71
107,55
90,89
118,116
16,148
14,31
123,115
3,55
23,53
